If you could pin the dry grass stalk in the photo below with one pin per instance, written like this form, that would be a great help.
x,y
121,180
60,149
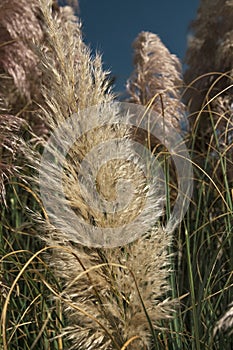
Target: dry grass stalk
x,y
21,79
209,55
104,304
157,78
157,82
209,79
210,76
19,27
210,50
109,304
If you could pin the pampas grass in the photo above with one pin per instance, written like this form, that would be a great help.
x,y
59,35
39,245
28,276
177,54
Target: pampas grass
x,y
106,301
112,298
209,85
19,27
21,77
59,294
156,79
210,44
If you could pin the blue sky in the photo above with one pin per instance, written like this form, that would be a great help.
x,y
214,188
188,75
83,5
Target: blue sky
x,y
110,27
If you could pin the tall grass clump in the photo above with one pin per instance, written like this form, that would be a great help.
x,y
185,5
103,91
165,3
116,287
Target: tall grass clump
x,y
206,252
107,302
165,289
29,317
111,298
